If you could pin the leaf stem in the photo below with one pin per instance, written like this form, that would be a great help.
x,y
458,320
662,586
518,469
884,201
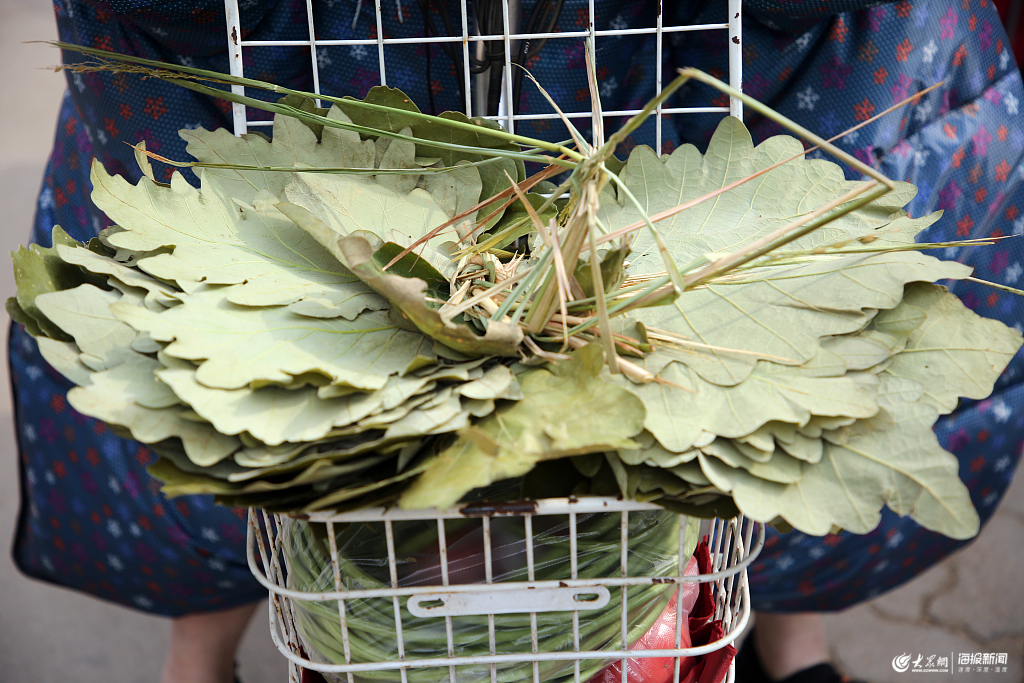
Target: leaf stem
x,y
228,79
995,285
785,122
787,233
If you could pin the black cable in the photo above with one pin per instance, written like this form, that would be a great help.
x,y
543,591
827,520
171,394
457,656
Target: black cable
x,y
483,28
543,19
427,26
494,89
430,29
454,54
488,15
489,19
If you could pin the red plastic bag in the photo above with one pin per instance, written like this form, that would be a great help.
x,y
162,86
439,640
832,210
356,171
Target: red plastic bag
x,y
698,606
714,666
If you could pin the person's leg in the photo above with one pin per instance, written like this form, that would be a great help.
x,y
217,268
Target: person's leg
x,y
787,643
202,648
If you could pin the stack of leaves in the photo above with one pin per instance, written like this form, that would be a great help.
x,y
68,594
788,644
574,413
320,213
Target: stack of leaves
x,y
209,324
297,338
801,388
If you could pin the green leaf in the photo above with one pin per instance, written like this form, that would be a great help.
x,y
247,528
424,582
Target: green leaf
x,y
819,425
516,214
346,205
355,449
399,154
691,472
441,413
955,353
492,174
308,105
278,415
894,459
399,388
456,192
782,313
158,294
747,212
85,311
240,345
66,358
861,351
654,454
339,496
498,382
547,423
779,468
218,242
40,270
18,315
426,263
802,447
612,271
119,396
293,143
274,415
179,479
681,405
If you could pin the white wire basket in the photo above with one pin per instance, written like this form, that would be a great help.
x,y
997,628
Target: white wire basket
x,y
469,40
733,543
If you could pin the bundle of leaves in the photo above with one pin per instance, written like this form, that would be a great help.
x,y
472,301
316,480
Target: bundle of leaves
x,y
297,339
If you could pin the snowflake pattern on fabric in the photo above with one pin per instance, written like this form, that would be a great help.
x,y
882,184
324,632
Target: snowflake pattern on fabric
x,y
94,521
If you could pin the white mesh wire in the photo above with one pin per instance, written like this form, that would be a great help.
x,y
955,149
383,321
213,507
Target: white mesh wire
x,y
469,40
733,543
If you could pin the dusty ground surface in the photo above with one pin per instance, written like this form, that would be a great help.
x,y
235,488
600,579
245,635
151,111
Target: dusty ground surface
x,y
973,602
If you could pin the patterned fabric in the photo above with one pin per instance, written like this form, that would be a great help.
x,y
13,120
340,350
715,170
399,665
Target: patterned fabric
x,y
94,521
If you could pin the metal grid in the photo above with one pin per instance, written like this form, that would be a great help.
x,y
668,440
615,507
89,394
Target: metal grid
x,y
468,41
733,544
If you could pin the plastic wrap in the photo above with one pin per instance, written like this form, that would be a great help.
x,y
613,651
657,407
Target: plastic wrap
x,y
653,547
699,628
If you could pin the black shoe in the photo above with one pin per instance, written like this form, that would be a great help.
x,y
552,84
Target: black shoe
x,y
750,670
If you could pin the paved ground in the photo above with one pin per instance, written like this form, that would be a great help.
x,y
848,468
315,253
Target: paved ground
x,y
973,602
